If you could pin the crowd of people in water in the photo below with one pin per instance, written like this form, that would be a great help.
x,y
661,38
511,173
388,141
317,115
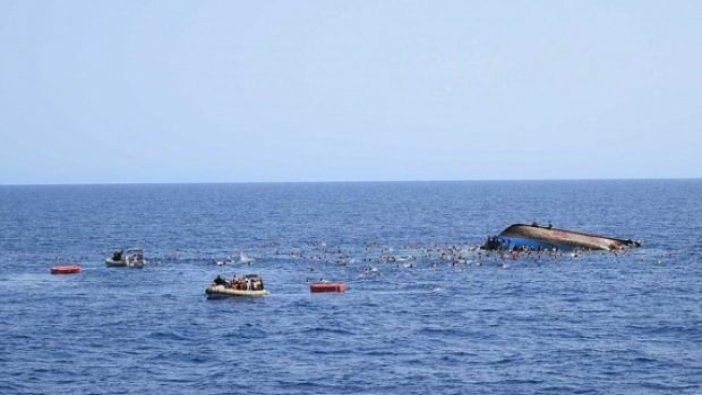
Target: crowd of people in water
x,y
373,259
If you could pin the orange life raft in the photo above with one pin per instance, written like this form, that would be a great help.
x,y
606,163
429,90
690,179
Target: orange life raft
x,y
66,269
328,287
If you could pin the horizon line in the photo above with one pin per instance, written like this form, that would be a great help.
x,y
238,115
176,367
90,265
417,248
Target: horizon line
x,y
116,183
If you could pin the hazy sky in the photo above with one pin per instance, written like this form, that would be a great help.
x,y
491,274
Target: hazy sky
x,y
206,91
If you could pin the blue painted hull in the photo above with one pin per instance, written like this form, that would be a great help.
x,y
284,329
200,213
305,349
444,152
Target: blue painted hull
x,y
534,237
511,243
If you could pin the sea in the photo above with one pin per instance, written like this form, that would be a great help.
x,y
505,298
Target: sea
x,y
426,312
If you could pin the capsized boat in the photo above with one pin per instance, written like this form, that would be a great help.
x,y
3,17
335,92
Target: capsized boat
x,y
537,237
250,285
133,257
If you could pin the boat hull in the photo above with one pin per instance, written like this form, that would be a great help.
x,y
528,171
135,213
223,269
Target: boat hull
x,y
215,291
534,237
112,263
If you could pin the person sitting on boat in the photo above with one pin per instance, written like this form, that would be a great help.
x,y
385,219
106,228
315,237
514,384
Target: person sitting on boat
x,y
219,280
117,255
236,282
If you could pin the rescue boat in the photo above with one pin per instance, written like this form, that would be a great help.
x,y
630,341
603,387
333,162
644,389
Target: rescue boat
x,y
221,290
133,257
250,285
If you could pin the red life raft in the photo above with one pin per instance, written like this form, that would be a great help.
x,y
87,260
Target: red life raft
x,y
66,269
328,287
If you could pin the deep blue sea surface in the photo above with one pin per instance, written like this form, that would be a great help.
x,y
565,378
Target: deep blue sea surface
x,y
599,323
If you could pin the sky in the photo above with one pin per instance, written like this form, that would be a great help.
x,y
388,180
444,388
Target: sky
x,y
276,91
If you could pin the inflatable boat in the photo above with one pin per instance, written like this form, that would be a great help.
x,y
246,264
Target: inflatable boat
x,y
133,257
221,290
250,285
66,269
328,287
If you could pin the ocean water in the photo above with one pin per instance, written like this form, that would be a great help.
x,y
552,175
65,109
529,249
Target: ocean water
x,y
599,323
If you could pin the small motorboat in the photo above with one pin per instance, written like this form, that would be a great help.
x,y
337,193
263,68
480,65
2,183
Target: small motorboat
x,y
66,269
250,285
133,257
